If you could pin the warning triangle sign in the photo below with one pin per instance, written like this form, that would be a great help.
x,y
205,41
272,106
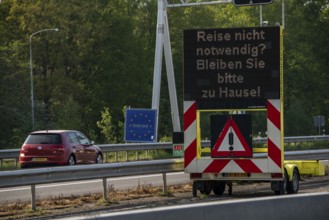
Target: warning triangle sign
x,y
231,142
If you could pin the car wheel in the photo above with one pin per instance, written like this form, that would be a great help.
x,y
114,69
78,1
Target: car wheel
x,y
99,158
71,161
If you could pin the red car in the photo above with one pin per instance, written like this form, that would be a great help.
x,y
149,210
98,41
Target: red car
x,y
61,147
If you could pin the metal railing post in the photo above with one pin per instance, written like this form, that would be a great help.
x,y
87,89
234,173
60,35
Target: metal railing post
x,y
165,189
33,200
106,198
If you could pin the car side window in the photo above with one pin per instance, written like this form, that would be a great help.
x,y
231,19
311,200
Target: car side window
x,y
73,139
82,139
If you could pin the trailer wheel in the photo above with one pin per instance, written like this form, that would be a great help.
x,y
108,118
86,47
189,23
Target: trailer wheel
x,y
293,186
286,179
194,191
219,188
207,187
281,188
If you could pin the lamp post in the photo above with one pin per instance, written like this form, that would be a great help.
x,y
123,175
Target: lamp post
x,y
31,69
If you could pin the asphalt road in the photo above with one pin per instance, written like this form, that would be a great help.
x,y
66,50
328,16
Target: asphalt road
x,y
86,187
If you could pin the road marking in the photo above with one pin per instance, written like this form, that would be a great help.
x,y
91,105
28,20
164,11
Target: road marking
x,y
308,202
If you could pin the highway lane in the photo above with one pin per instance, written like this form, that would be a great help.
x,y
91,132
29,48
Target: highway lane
x,y
86,187
298,206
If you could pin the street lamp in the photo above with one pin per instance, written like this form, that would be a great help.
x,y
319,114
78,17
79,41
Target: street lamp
x,y
31,69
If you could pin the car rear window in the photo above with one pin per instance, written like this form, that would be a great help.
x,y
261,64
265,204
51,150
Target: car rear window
x,y
43,139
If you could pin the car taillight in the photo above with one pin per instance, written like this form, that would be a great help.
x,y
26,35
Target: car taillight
x,y
22,152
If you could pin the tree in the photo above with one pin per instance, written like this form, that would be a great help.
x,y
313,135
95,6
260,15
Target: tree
x,y
14,116
297,121
307,64
103,55
107,127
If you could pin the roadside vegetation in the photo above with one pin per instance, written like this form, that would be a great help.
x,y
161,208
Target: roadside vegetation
x,y
101,62
58,206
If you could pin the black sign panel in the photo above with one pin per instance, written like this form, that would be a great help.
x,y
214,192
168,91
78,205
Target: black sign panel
x,y
232,68
251,2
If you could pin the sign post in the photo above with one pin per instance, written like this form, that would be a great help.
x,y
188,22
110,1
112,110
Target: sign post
x,y
178,144
319,122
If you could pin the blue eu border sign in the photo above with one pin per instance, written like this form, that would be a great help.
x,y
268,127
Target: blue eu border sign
x,y
140,125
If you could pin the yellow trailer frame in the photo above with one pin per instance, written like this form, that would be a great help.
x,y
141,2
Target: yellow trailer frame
x,y
305,167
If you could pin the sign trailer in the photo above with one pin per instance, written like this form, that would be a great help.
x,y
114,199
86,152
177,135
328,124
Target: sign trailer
x,y
230,70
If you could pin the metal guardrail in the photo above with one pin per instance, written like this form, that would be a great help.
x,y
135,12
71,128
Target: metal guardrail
x,y
296,139
98,171
7,154
108,148
104,171
85,172
34,177
301,155
307,155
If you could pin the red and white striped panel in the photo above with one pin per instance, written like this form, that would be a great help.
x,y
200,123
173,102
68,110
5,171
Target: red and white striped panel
x,y
271,164
190,135
274,135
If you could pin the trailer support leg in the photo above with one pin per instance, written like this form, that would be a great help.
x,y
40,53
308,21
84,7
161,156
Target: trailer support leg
x,y
230,187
